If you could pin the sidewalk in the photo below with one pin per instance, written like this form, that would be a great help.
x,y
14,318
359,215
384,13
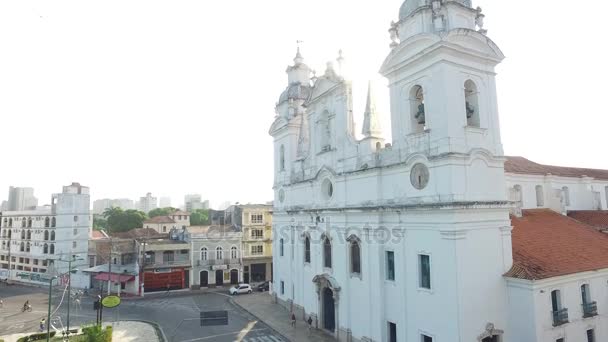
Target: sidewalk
x,y
277,317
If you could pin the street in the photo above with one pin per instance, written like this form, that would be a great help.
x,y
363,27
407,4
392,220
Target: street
x,y
177,314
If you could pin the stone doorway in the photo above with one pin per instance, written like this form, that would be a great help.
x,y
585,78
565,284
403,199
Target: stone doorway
x,y
329,310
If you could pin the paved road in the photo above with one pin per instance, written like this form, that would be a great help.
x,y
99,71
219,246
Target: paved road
x,y
177,314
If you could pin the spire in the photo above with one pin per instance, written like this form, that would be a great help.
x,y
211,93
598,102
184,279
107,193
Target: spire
x,y
371,121
298,59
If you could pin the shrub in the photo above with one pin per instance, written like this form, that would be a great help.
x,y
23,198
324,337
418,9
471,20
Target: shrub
x,y
109,333
35,337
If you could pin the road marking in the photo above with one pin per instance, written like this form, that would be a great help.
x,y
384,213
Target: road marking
x,y
266,338
245,331
219,335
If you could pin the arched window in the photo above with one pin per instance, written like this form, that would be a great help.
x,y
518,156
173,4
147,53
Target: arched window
x,y
53,236
585,294
53,222
540,196
47,222
52,249
326,253
233,253
23,222
417,110
10,222
29,234
355,257
5,222
471,103
282,158
45,249
46,235
566,193
378,146
22,234
281,247
29,222
307,249
27,247
10,233
219,253
518,194
22,247
606,190
204,253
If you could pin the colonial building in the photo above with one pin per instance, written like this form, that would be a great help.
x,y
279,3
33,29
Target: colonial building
x,y
36,244
255,222
165,223
412,241
216,255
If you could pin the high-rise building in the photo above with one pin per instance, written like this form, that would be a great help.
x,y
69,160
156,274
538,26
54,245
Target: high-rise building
x,y
21,199
148,203
194,201
100,205
36,244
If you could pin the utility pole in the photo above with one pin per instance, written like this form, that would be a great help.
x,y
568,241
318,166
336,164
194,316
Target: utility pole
x,y
110,265
70,270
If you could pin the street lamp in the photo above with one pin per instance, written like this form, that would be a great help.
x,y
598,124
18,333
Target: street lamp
x,y
48,315
70,271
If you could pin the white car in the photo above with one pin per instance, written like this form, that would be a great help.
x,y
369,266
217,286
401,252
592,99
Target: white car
x,y
241,288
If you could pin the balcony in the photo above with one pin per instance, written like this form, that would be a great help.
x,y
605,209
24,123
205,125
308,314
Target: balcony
x,y
589,309
210,262
560,317
162,263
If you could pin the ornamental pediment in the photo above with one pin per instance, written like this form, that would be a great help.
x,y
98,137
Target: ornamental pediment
x,y
278,123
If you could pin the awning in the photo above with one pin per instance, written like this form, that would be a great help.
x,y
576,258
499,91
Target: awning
x,y
117,278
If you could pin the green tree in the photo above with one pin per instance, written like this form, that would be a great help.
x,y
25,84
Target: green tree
x,y
199,217
119,220
99,222
161,212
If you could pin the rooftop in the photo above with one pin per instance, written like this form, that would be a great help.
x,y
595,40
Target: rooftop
x,y
160,219
595,218
139,233
547,244
522,165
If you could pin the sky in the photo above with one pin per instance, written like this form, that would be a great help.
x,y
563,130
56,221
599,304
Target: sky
x,y
175,97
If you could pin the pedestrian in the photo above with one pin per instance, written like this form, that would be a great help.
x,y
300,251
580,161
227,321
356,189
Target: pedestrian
x,y
309,321
293,320
42,323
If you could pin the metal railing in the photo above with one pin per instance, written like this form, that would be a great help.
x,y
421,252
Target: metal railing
x,y
589,309
228,261
560,317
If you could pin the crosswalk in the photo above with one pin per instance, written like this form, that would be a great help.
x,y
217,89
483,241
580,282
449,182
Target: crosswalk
x,y
265,338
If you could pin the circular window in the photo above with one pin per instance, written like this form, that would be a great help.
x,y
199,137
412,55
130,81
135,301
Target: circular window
x,y
281,195
327,188
419,176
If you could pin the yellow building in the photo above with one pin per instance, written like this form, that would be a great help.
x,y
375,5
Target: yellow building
x,y
255,221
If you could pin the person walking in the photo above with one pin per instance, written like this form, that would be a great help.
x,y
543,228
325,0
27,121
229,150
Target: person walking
x,y
309,321
42,324
293,320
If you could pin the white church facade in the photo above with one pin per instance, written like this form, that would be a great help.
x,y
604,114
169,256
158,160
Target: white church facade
x,y
409,241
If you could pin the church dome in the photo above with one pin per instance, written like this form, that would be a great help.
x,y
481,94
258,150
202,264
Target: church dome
x,y
296,91
410,6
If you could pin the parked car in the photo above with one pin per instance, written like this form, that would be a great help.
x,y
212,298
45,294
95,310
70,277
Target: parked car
x,y
265,286
241,288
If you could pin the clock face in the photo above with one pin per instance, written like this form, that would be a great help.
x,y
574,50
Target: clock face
x,y
419,176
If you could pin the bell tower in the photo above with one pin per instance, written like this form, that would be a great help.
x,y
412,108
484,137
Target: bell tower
x,y
444,117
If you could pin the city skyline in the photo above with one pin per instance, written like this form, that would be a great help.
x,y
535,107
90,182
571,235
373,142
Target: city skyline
x,y
91,100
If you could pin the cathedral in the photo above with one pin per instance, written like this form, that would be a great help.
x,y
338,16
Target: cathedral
x,y
409,240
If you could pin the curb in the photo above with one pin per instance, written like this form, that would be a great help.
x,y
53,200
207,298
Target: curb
x,y
261,320
157,328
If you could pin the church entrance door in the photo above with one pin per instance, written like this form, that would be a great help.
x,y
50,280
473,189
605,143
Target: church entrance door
x,y
329,308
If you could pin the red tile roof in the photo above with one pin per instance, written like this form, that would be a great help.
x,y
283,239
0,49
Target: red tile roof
x,y
96,235
525,166
547,244
595,218
160,219
180,212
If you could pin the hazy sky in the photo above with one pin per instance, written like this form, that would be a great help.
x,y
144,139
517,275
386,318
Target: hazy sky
x,y
174,97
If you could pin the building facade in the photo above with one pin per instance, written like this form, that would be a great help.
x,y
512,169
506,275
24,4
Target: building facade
x,y
216,256
100,205
255,222
165,223
428,238
20,199
148,203
36,244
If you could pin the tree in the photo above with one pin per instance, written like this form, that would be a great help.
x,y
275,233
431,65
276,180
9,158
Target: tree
x,y
199,217
119,220
161,212
99,223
